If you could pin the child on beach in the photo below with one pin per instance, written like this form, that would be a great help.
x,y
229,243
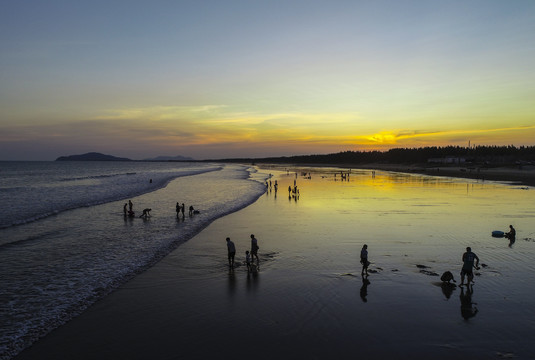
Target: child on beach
x,y
364,260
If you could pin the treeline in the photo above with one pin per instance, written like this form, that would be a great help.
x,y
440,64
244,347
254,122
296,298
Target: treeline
x,y
476,154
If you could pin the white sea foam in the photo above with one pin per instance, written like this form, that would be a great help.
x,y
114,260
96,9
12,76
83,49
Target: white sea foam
x,y
33,190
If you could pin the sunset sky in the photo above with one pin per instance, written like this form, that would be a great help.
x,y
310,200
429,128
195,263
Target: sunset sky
x,y
213,79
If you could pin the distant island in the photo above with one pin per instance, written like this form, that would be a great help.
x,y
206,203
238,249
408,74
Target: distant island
x,y
95,156
91,156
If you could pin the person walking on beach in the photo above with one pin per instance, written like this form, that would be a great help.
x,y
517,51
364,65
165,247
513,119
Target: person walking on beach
x,y
124,209
468,263
178,208
254,248
364,260
231,252
130,205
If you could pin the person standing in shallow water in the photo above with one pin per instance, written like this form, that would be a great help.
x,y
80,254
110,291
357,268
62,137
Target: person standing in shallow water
x,y
364,260
468,263
231,252
512,232
254,248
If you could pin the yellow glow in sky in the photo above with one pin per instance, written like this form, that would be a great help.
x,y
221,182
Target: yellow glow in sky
x,y
223,81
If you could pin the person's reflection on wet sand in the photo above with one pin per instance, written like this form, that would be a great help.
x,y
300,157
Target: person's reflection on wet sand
x,y
252,280
447,289
364,288
467,310
231,281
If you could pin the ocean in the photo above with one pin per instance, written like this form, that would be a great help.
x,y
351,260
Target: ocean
x,y
65,242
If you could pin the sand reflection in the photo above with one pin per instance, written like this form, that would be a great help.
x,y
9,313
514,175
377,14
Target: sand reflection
x,y
468,308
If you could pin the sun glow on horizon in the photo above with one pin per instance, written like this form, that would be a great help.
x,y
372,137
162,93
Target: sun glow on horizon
x,y
221,81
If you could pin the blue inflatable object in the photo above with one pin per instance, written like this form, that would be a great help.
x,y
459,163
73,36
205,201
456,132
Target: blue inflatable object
x,y
498,233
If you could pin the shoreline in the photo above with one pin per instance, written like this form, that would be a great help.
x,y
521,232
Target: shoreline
x,y
504,174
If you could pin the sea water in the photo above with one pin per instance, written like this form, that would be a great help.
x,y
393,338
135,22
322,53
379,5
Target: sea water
x,y
65,242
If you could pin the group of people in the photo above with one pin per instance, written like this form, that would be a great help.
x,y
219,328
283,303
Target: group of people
x,y
129,211
249,256
269,184
180,208
470,261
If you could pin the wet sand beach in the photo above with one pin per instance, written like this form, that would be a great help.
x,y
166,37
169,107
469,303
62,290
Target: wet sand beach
x,y
309,300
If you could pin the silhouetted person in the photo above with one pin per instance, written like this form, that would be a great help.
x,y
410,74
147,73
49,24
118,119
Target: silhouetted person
x,y
178,208
447,277
468,263
146,213
364,260
231,252
191,209
130,205
125,208
254,248
511,234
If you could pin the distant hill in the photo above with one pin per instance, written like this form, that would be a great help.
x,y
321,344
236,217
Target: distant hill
x,y
170,158
92,156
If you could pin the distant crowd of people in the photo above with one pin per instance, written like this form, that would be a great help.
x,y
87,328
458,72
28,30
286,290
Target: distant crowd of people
x,y
293,192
